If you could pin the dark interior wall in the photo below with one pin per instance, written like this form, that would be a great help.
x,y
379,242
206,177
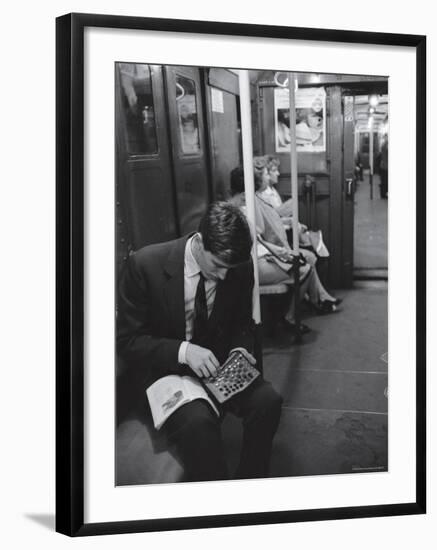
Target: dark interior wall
x,y
163,181
146,209
188,143
223,121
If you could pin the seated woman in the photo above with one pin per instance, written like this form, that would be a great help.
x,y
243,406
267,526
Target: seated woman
x,y
271,230
307,241
270,193
318,297
270,268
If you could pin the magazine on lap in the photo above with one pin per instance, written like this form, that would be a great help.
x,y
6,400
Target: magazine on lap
x,y
168,394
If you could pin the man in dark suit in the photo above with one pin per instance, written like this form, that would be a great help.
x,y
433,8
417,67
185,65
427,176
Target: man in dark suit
x,y
183,307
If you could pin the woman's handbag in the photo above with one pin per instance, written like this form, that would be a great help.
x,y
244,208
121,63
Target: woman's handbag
x,y
314,240
318,245
285,265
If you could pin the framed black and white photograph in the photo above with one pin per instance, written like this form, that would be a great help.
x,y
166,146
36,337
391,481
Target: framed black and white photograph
x,y
240,275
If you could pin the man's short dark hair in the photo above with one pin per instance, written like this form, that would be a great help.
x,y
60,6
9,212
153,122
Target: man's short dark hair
x,y
225,233
237,180
237,175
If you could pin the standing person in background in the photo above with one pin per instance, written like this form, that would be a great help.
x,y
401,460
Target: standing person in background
x,y
383,168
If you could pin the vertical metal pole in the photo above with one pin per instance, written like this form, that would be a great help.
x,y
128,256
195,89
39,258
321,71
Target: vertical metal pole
x,y
249,186
371,156
293,162
295,199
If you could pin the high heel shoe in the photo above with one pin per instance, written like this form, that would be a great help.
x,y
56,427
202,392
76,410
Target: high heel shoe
x,y
292,327
335,301
328,306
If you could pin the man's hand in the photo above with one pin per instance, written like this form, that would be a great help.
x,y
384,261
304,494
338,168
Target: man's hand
x,y
201,361
246,354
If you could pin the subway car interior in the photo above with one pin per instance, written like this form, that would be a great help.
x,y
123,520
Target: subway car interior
x,y
180,132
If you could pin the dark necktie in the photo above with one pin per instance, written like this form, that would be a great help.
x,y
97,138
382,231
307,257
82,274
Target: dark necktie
x,y
200,312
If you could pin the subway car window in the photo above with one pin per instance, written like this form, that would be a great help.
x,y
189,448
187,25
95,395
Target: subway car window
x,y
187,115
137,100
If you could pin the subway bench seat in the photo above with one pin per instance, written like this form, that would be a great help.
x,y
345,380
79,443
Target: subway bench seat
x,y
266,290
142,455
142,460
272,306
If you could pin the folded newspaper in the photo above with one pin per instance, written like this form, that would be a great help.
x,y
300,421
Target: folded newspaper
x,y
167,394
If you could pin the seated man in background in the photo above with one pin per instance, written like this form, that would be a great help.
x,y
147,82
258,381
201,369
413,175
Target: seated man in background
x,y
184,305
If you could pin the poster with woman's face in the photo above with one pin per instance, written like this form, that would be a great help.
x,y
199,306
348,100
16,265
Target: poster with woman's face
x,y
310,120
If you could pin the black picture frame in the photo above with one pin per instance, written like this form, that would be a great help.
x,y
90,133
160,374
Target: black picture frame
x,y
70,273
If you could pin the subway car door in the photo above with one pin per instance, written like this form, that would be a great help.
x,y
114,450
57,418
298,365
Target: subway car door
x,y
186,113
223,127
145,197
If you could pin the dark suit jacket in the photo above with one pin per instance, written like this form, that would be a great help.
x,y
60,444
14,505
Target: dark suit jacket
x,y
151,312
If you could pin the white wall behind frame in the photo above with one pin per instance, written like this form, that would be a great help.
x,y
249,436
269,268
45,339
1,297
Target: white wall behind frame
x,y
104,502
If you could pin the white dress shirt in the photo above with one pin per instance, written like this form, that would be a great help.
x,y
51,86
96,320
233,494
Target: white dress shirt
x,y
191,280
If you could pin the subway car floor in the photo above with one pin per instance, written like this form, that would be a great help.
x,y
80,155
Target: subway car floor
x,y
334,386
370,231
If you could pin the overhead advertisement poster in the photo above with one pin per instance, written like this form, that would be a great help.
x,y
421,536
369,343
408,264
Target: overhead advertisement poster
x,y
310,120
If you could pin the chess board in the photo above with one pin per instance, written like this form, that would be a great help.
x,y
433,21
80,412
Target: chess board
x,y
234,376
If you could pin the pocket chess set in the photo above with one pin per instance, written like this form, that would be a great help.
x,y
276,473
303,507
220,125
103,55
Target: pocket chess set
x,y
234,376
